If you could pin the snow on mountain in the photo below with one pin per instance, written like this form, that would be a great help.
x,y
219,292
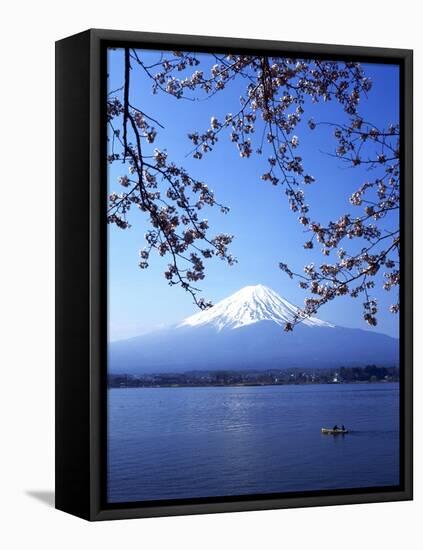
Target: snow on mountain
x,y
249,305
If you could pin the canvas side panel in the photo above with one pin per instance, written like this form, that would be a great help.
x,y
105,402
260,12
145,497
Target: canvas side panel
x,y
72,274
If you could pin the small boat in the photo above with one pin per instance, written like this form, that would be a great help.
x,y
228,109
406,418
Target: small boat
x,y
331,431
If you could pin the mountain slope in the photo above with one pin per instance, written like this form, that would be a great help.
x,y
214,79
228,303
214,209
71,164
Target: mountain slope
x,y
244,332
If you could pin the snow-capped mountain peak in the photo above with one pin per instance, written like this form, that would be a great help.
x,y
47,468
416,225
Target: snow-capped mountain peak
x,y
249,305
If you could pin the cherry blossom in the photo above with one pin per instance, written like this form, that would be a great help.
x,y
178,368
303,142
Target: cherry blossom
x,y
265,123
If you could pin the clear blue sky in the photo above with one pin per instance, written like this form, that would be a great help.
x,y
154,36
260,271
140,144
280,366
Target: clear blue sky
x,y
266,231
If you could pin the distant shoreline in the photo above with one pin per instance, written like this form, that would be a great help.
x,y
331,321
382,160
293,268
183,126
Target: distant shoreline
x,y
221,378
377,382
247,378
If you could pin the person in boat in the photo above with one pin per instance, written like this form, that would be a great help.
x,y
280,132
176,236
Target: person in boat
x,y
343,428
335,427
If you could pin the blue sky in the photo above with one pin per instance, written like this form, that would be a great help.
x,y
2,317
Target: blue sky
x,y
266,231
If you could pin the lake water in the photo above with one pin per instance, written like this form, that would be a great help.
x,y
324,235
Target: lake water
x,y
168,443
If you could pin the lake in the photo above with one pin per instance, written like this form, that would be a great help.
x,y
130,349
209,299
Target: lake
x,y
172,443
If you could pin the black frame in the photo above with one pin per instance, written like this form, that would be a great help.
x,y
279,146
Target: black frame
x,y
81,285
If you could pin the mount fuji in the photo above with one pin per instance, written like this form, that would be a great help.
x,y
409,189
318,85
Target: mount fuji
x,y
246,331
249,305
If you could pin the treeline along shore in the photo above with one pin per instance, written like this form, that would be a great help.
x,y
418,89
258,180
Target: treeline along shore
x,y
273,377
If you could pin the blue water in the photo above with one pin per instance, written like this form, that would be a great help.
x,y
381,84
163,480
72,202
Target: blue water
x,y
167,443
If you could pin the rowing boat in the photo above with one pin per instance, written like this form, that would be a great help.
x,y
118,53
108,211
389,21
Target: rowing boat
x,y
331,431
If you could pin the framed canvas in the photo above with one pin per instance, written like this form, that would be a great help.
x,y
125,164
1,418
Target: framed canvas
x,y
234,274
